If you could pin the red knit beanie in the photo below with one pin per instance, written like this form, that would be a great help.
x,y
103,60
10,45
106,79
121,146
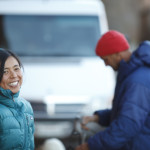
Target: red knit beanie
x,y
111,42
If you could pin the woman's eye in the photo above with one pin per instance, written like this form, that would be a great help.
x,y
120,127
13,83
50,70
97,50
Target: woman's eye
x,y
5,72
16,69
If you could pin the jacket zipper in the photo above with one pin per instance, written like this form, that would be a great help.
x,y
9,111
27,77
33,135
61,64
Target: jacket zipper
x,y
25,130
13,98
25,121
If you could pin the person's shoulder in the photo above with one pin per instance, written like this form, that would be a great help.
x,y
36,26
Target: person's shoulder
x,y
141,76
143,48
147,42
141,73
24,100
27,105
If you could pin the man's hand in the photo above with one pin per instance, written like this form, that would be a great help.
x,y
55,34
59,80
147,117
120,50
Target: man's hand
x,y
87,119
82,147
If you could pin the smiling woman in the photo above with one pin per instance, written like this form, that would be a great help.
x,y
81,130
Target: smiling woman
x,y
12,75
16,115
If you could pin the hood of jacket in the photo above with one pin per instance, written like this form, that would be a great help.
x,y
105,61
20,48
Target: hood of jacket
x,y
140,57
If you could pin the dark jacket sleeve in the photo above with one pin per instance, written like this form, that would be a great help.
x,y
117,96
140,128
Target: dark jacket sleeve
x,y
104,117
132,112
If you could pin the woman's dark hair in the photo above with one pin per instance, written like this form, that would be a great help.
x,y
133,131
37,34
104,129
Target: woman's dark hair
x,y
4,54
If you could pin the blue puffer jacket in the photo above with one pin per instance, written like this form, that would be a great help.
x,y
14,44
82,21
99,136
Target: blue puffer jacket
x,y
16,122
129,120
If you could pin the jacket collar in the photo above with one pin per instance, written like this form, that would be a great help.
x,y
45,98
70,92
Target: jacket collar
x,y
140,57
7,97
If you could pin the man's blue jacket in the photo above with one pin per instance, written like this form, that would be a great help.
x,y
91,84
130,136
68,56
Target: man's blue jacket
x,y
129,119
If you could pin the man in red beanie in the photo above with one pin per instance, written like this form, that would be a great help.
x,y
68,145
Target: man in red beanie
x,y
112,48
128,122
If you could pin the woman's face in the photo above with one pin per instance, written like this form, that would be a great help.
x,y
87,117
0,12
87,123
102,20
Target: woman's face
x,y
12,77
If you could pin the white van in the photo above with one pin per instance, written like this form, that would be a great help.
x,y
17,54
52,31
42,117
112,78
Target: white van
x,y
56,40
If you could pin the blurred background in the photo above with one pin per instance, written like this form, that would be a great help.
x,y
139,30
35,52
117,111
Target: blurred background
x,y
130,17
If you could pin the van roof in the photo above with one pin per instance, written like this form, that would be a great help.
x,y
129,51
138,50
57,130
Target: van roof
x,y
51,6
56,7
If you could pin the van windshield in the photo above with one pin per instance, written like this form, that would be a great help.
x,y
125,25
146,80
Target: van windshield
x,y
44,35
